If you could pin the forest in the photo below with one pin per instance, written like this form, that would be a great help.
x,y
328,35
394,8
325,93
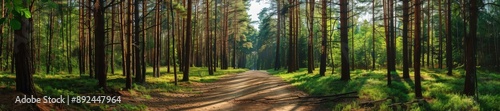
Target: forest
x,y
214,55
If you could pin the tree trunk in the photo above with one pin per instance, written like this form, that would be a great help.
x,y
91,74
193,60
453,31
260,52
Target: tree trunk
x,y
418,87
81,36
49,54
128,46
112,58
89,39
344,41
428,49
100,56
373,35
208,39
388,38
23,64
138,63
187,44
290,40
68,37
405,39
470,67
440,56
310,60
277,57
449,57
322,66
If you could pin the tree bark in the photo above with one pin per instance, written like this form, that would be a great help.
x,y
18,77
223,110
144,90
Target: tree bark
x,y
49,54
128,46
278,36
373,35
100,56
208,39
405,39
187,44
89,40
418,87
470,67
449,58
344,41
81,43
23,64
137,45
322,66
310,60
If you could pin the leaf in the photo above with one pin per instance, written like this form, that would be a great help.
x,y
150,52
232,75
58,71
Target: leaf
x,y
2,20
17,2
45,0
27,13
15,24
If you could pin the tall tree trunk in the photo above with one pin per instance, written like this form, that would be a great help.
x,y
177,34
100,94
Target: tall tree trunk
x,y
440,56
373,35
122,36
344,41
68,37
49,54
393,37
405,39
310,60
428,32
23,64
169,34
290,40
470,67
143,44
89,39
1,31
351,12
187,44
208,39
418,87
81,36
112,58
215,56
296,34
449,57
388,38
322,66
137,46
277,57
128,46
226,36
100,56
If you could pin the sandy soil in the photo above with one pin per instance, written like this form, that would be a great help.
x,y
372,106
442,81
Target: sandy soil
x,y
248,91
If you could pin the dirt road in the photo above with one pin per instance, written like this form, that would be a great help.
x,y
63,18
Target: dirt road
x,y
248,91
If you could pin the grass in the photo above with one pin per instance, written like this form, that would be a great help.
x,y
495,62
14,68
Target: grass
x,y
74,84
440,91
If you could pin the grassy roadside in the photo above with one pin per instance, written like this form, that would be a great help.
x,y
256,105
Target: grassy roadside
x,y
440,91
76,85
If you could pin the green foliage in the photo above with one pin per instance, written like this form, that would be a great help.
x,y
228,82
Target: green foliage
x,y
15,24
2,20
440,91
18,9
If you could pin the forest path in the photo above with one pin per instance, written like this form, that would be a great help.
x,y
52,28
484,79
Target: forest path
x,y
247,91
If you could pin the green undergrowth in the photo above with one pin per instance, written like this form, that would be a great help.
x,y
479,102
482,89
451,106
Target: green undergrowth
x,y
440,91
75,85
